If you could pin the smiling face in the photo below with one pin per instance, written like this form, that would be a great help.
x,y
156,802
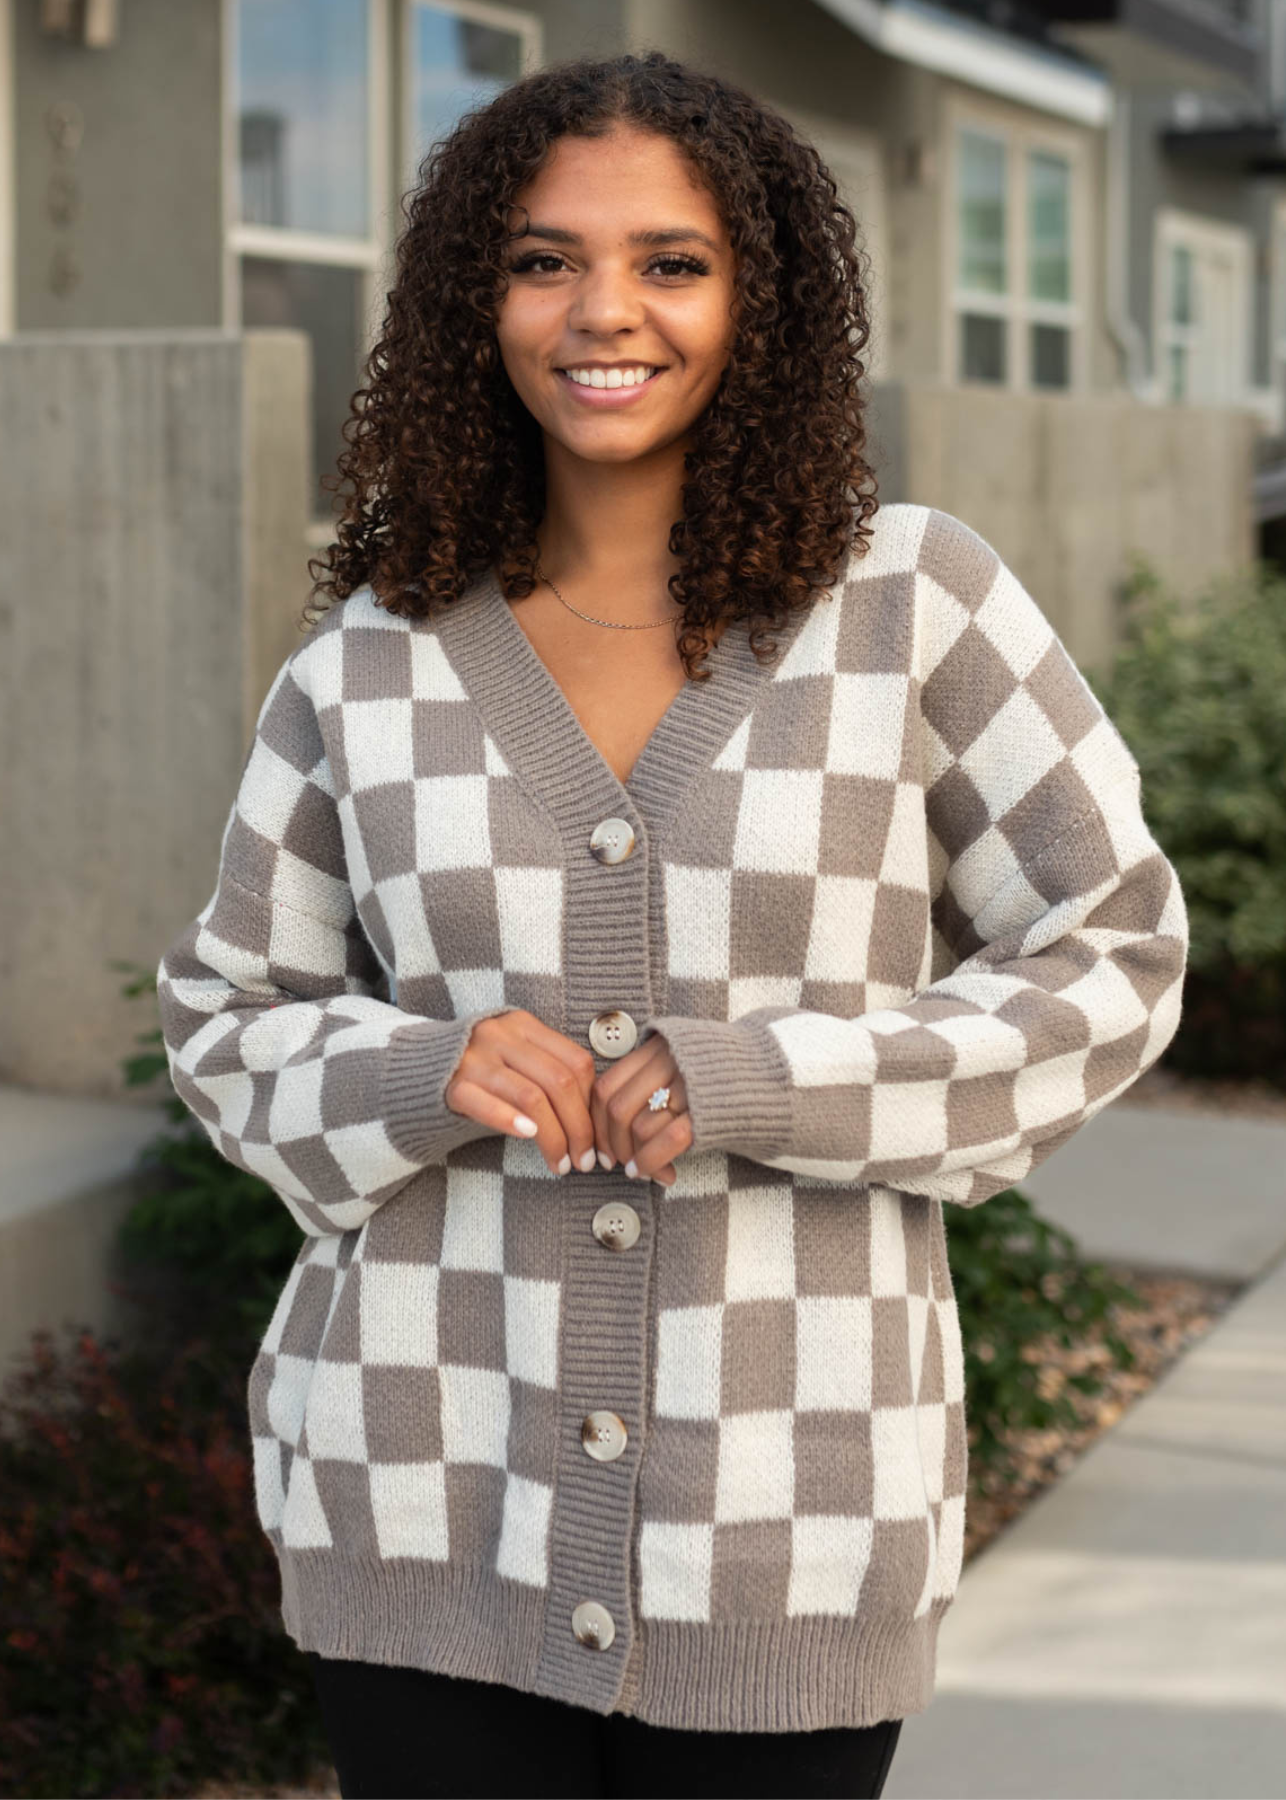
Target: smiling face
x,y
617,322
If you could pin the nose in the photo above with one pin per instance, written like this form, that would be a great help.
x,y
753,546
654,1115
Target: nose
x,y
605,301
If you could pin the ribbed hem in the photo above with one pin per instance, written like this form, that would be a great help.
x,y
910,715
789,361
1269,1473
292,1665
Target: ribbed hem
x,y
423,1055
802,1674
412,1614
737,1084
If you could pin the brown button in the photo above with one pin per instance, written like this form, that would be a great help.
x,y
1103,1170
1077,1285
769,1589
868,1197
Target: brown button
x,y
616,1224
603,1436
593,1625
613,1033
612,840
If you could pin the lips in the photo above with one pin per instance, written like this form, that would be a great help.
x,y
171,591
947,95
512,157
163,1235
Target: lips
x,y
605,396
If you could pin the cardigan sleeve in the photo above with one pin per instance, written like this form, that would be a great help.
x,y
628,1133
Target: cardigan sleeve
x,y
274,1007
1069,936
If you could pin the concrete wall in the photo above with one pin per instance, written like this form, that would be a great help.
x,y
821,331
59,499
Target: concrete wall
x,y
145,236
1066,488
152,573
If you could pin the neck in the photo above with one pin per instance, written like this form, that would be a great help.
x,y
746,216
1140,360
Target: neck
x,y
607,525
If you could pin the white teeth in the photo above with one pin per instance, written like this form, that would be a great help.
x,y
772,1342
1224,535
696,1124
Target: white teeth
x,y
611,378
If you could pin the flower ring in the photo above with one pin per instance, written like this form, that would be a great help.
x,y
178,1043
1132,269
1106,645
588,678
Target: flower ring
x,y
657,1101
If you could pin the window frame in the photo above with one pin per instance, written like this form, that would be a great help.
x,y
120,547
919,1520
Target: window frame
x,y
526,25
366,254
1021,138
1277,310
1199,233
8,188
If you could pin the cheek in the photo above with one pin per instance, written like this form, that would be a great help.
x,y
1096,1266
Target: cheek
x,y
705,339
517,333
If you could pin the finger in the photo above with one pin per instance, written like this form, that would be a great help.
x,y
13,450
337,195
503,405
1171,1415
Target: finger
x,y
566,1076
648,1125
632,1095
573,1110
627,1090
613,1145
602,1127
659,1149
525,1076
474,1101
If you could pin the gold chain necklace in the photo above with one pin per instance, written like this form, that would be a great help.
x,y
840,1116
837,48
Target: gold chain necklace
x,y
648,625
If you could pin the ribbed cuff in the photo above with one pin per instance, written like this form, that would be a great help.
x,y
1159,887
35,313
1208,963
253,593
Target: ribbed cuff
x,y
423,1055
737,1081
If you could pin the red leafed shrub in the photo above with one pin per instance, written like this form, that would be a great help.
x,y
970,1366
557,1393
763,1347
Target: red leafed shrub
x,y
141,1643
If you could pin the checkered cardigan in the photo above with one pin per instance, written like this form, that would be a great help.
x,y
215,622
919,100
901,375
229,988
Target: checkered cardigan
x,y
894,906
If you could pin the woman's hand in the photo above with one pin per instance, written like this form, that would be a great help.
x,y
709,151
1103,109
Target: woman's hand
x,y
624,1125
523,1078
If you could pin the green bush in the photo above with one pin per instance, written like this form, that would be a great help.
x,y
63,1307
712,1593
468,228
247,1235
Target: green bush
x,y
1199,694
199,1214
1019,1281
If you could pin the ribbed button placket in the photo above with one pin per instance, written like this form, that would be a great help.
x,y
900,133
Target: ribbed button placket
x,y
613,913
591,1624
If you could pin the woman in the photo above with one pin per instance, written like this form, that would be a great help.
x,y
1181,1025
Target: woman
x,y
615,998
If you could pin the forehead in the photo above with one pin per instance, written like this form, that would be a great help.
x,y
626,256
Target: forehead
x,y
616,183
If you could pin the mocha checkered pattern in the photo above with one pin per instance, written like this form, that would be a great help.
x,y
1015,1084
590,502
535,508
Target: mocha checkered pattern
x,y
893,906
806,1422
406,1383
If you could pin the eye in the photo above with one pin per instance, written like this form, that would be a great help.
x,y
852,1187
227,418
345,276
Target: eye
x,y
528,262
681,265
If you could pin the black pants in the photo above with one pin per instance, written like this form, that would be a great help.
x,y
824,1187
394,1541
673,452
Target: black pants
x,y
398,1733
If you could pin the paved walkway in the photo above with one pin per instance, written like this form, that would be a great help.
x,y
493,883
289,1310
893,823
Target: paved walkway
x,y
66,1181
1126,1637
1171,1189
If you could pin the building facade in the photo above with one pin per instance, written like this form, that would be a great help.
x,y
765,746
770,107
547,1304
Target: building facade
x,y
1073,197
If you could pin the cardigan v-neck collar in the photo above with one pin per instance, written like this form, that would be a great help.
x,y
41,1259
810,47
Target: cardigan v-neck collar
x,y
540,736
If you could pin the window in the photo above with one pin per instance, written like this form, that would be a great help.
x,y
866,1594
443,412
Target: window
x,y
1049,268
1014,304
1203,287
457,57
311,202
1181,336
983,274
305,232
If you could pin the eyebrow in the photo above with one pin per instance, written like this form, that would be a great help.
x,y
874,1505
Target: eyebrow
x,y
667,234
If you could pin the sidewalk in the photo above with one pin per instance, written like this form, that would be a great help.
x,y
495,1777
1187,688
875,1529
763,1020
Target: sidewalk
x,y
67,1179
1184,1191
1126,1637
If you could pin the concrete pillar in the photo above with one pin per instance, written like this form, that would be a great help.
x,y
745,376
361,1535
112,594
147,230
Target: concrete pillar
x,y
152,570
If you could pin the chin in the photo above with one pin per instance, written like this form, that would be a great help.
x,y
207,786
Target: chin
x,y
622,450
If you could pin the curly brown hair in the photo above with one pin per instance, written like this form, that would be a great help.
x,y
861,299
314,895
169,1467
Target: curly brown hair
x,y
445,462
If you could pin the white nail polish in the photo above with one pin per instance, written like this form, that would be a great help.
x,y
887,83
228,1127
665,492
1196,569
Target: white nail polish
x,y
631,1170
564,1166
608,1162
587,1162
